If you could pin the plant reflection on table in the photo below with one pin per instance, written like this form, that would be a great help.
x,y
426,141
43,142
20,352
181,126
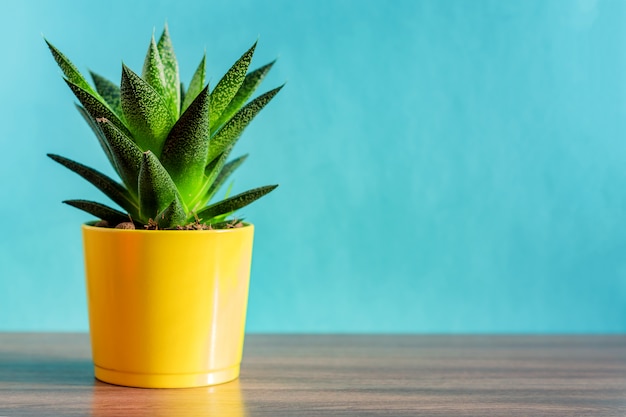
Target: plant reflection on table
x,y
216,401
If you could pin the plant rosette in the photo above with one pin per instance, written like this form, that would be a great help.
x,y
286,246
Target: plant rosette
x,y
167,299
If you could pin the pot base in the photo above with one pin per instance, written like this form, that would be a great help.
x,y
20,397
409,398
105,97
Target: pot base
x,y
129,379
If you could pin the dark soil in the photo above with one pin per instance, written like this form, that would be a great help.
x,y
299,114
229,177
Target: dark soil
x,y
152,225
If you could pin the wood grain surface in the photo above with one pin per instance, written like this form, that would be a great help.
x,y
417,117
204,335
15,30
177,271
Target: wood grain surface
x,y
313,375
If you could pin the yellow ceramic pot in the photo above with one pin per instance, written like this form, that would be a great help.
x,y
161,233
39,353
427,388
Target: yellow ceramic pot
x,y
167,308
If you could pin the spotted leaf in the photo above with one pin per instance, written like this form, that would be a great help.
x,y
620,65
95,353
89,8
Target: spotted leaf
x,y
248,87
233,203
145,111
185,151
231,131
156,188
228,86
170,71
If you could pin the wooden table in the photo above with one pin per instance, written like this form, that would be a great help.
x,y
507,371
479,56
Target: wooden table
x,y
289,375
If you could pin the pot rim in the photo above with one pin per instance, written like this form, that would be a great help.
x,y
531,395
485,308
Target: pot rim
x,y
90,226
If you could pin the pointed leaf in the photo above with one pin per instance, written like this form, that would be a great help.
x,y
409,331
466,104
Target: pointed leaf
x,y
196,85
233,203
125,153
170,67
145,111
228,224
211,172
223,217
156,188
215,166
70,71
99,135
109,187
95,107
101,211
182,96
249,85
185,150
230,132
224,174
173,215
109,91
153,71
228,86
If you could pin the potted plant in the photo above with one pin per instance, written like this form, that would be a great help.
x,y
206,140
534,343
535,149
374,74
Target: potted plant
x,y
167,279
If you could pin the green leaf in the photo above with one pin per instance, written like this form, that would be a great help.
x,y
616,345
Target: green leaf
x,y
182,93
185,150
233,203
153,71
99,134
228,86
126,154
70,71
109,187
224,174
210,174
215,166
173,215
170,67
156,188
145,111
95,107
196,85
227,224
109,91
101,211
231,131
249,85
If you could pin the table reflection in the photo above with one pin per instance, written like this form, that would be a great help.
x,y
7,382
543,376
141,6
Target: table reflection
x,y
223,400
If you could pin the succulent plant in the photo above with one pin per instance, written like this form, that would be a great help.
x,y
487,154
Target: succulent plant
x,y
169,145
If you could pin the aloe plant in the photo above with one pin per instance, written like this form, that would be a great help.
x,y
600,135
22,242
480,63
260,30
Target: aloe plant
x,y
169,145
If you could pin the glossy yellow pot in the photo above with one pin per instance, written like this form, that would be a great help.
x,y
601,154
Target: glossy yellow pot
x,y
167,308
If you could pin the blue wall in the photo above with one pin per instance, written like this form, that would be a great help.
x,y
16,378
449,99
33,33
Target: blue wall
x,y
445,166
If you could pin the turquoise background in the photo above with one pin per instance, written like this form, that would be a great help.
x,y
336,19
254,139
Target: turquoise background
x,y
445,166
